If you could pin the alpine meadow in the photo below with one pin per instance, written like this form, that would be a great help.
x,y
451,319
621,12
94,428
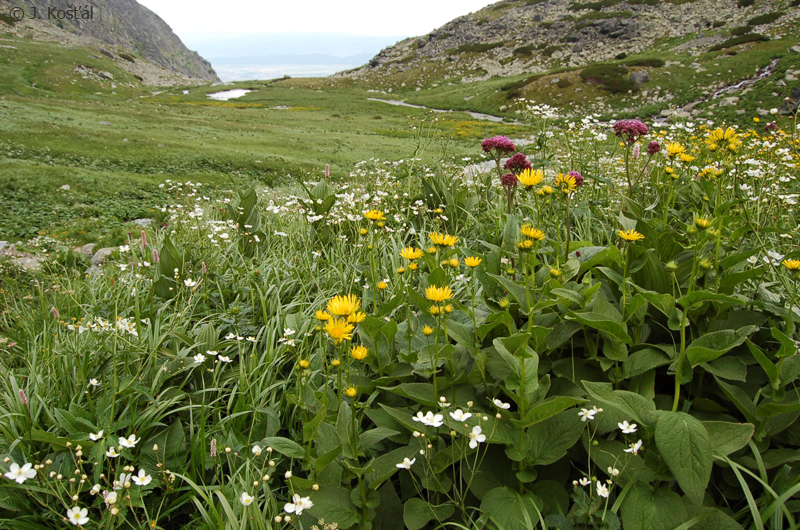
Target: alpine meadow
x,y
537,269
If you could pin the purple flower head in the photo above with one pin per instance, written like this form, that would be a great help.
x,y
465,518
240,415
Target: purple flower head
x,y
498,146
653,148
630,130
517,164
771,126
578,178
509,181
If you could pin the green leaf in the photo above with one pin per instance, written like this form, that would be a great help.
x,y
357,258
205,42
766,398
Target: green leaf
x,y
418,513
643,360
546,409
385,465
371,437
552,438
727,438
344,428
632,405
691,299
645,510
514,290
284,446
510,510
422,393
599,322
716,344
332,504
685,446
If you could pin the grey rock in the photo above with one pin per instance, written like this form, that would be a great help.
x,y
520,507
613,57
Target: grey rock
x,y
65,187
87,249
31,263
729,101
780,82
102,74
106,53
555,80
101,255
640,77
3,245
682,114
105,123
794,49
143,222
666,113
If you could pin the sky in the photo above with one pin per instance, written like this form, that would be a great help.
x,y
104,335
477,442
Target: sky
x,y
264,39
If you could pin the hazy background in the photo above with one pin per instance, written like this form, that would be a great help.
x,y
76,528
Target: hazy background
x,y
254,39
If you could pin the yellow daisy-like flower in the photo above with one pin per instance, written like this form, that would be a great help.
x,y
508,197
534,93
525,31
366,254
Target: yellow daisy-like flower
x,y
565,183
351,392
357,317
674,149
363,231
343,305
401,270
702,223
726,139
472,261
531,233
438,294
443,240
792,264
544,190
336,362
453,262
555,273
382,285
304,364
435,310
687,158
375,215
339,329
412,266
411,253
431,250
710,172
359,353
630,235
427,330
530,177
448,308
322,315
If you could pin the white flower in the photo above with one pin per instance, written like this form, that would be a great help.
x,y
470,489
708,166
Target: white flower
x,y
112,452
211,352
199,358
224,359
752,260
627,428
94,437
501,405
406,463
246,499
78,516
460,415
587,414
125,248
614,472
188,282
230,336
94,382
430,419
298,504
121,481
475,437
142,479
634,448
602,489
584,481
257,450
20,474
111,497
129,442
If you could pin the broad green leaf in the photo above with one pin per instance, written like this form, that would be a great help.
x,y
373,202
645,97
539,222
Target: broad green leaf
x,y
344,428
697,297
332,504
643,360
284,446
646,510
510,510
601,323
417,513
715,344
546,409
633,405
685,446
371,437
727,438
551,438
514,290
385,465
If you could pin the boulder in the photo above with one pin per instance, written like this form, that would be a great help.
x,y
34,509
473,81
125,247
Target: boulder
x,y
87,249
101,255
143,222
106,53
65,187
794,49
640,77
729,101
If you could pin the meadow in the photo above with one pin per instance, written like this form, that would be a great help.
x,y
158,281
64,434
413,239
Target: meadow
x,y
598,333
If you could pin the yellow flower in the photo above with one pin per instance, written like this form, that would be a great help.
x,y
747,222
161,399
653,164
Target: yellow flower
x,y
374,215
710,172
438,294
427,330
531,233
382,285
566,183
443,240
453,262
435,310
674,149
411,253
343,305
702,223
351,392
630,235
687,158
412,266
401,270
555,273
438,210
322,315
530,177
755,119
544,190
363,231
336,362
792,264
669,170
339,329
472,262
431,250
724,139
448,308
304,364
357,317
359,353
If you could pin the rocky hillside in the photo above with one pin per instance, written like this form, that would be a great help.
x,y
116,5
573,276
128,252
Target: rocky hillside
x,y
122,24
515,37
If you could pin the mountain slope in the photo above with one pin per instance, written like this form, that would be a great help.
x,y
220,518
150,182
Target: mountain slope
x,y
125,24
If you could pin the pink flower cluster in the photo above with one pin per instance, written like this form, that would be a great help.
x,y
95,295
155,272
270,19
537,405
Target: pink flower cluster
x,y
509,181
578,178
498,146
653,148
630,130
517,164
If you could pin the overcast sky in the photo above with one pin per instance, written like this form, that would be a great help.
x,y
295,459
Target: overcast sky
x,y
194,20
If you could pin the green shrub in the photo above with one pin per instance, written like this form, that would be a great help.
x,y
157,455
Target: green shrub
x,y
718,24
767,18
740,30
563,82
644,2
7,19
742,39
127,57
594,6
613,78
601,15
746,3
620,56
648,62
550,50
524,50
478,47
